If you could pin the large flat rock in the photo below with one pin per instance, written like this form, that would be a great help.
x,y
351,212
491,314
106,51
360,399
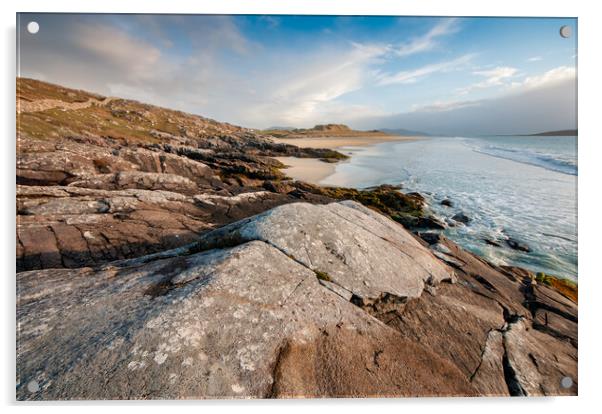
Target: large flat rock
x,y
246,321
346,243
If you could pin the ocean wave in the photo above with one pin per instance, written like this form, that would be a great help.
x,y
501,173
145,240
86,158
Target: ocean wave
x,y
554,162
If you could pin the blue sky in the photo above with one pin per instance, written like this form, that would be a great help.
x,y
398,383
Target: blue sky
x,y
433,74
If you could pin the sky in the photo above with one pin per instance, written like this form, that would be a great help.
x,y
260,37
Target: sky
x,y
451,76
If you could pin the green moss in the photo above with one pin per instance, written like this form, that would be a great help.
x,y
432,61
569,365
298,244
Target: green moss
x,y
386,199
566,287
334,155
322,275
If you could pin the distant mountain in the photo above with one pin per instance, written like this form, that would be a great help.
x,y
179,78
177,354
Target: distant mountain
x,y
404,132
562,133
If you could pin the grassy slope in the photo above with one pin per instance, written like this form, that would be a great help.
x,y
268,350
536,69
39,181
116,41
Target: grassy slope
x,y
116,118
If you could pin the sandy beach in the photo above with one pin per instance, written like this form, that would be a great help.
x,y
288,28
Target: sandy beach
x,y
338,142
310,170
313,170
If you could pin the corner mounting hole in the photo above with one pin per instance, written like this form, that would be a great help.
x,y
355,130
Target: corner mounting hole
x,y
565,31
566,382
33,27
33,386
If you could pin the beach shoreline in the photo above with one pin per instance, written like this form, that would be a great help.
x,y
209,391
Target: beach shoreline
x,y
314,170
335,142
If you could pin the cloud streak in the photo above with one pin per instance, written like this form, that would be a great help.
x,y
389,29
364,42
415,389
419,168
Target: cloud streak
x,y
414,75
428,41
556,75
493,77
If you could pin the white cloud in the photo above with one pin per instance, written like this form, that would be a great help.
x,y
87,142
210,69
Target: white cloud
x,y
494,77
412,76
539,103
428,41
117,48
556,75
534,59
299,95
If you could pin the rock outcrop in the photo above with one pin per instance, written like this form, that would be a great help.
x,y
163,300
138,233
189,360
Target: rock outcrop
x,y
299,301
71,226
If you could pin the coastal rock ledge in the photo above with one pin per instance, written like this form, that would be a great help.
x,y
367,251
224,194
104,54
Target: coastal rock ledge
x,y
302,300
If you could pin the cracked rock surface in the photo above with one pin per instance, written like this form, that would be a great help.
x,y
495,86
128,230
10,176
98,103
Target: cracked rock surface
x,y
246,311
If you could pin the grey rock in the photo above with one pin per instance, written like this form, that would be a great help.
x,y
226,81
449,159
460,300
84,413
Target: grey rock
x,y
426,222
448,259
215,324
461,218
71,226
342,292
534,370
430,237
161,162
349,242
491,368
517,245
441,248
492,242
138,180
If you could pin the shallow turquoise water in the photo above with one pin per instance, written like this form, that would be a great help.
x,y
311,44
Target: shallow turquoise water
x,y
521,187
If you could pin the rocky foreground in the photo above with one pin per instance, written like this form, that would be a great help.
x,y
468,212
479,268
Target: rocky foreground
x,y
165,255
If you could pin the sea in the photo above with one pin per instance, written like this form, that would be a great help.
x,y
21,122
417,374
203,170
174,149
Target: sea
x,y
519,187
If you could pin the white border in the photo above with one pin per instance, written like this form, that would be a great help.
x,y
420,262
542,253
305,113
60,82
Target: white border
x,y
590,157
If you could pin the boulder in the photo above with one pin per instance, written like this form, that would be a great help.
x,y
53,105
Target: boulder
x,y
421,222
430,237
357,248
489,322
517,245
461,218
447,203
492,242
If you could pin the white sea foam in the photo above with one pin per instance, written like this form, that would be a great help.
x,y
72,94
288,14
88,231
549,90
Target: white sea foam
x,y
520,187
555,162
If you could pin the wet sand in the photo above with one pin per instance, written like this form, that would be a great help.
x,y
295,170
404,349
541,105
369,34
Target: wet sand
x,y
312,170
